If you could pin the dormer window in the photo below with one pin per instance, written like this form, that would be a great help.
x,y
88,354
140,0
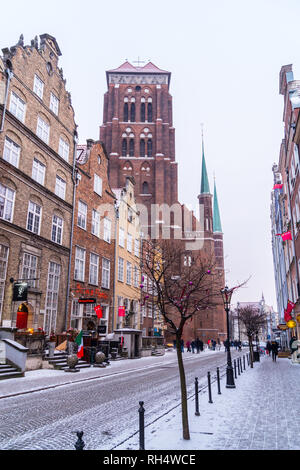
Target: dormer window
x,y
38,86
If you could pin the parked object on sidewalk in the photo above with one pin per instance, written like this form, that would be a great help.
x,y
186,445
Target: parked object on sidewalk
x,y
72,361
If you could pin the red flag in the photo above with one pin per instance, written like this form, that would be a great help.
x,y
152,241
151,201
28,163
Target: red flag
x,y
285,235
278,186
287,316
98,311
290,306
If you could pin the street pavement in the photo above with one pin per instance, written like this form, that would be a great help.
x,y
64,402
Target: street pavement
x,y
261,413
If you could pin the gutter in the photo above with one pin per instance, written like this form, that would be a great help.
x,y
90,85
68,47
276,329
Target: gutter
x,y
9,75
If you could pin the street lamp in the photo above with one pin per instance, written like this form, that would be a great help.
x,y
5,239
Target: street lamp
x,y
226,295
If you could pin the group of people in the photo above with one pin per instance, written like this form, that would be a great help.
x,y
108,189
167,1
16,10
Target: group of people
x,y
272,349
191,346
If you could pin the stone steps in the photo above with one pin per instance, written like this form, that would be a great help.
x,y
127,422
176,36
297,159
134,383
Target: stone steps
x,y
59,361
9,372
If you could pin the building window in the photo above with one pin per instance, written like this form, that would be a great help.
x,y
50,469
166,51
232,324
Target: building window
x,y
54,103
128,273
105,273
137,247
38,171
132,112
34,217
107,230
125,112
124,147
4,250
94,269
143,112
60,187
79,264
52,297
129,242
43,130
121,269
38,86
121,237
149,109
149,148
11,152
17,106
131,148
136,277
7,198
95,223
57,229
142,148
63,149
29,269
98,184
82,214
145,188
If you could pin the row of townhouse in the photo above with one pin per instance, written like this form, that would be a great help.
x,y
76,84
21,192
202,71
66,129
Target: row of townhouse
x,y
285,207
71,239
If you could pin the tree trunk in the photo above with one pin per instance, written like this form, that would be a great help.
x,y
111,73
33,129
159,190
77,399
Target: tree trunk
x,y
251,351
184,407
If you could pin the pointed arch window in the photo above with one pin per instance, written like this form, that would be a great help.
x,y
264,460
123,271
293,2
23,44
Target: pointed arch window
x,y
149,112
125,112
143,112
131,148
149,148
145,188
124,147
142,148
132,112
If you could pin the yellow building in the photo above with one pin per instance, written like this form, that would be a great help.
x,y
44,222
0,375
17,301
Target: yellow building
x,y
127,292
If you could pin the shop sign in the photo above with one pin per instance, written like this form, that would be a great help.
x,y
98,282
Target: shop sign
x,y
20,291
101,329
282,326
86,300
121,311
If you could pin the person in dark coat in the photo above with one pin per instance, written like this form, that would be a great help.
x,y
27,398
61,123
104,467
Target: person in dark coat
x,y
197,342
269,348
201,345
193,346
274,350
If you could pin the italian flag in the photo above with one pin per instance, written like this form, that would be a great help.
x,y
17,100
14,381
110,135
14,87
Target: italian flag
x,y
79,341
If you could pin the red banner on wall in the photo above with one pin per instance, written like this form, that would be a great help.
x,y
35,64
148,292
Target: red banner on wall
x,y
121,311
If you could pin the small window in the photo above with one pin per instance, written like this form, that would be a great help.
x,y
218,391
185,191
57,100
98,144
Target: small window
x,y
7,198
43,130
95,223
121,269
57,229
132,112
128,273
79,264
143,112
137,88
107,230
60,187
142,148
34,217
149,148
131,148
38,86
105,273
38,171
54,103
145,188
126,115
124,147
149,109
63,149
11,152
17,106
121,237
82,214
94,269
97,184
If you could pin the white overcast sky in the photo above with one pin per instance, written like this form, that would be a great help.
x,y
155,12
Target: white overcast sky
x,y
225,57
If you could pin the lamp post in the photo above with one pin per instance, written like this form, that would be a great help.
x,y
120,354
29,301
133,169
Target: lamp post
x,y
226,295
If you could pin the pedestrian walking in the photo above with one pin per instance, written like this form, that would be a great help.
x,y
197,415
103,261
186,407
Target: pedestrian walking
x,y
269,348
214,345
201,345
188,346
193,346
274,350
197,345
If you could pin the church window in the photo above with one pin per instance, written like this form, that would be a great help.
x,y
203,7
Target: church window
x,y
149,148
137,88
124,147
145,188
149,109
132,112
131,148
143,112
125,112
142,148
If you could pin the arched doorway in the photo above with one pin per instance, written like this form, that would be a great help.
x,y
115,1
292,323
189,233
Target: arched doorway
x,y
22,317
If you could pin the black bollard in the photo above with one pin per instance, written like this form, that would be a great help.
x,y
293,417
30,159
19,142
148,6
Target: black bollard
x,y
244,362
238,367
218,381
247,355
241,367
142,425
209,388
196,397
234,363
79,445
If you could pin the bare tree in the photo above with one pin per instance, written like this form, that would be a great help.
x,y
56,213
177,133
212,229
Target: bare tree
x,y
252,320
184,284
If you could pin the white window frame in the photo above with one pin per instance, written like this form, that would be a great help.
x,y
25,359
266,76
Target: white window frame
x,y
60,187
17,106
95,223
7,201
79,268
38,86
51,304
11,152
57,229
30,269
94,269
137,248
38,171
136,276
98,184
128,273
121,269
43,130
129,242
54,103
122,237
82,214
105,282
36,211
64,149
107,230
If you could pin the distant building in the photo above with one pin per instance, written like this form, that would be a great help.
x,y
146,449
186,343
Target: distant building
x,y
37,149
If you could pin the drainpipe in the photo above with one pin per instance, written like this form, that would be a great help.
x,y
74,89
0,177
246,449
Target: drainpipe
x,y
9,75
115,273
75,183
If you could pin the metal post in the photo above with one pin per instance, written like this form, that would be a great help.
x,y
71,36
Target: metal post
x,y
196,397
234,363
79,445
229,370
238,367
241,367
218,380
244,362
209,388
142,425
247,355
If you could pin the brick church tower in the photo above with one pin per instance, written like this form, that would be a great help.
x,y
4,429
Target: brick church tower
x,y
138,132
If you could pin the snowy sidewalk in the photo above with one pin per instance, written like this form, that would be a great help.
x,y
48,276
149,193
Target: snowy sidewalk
x,y
261,413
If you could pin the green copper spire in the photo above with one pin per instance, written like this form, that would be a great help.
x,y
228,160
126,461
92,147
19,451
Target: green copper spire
x,y
216,215
204,179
